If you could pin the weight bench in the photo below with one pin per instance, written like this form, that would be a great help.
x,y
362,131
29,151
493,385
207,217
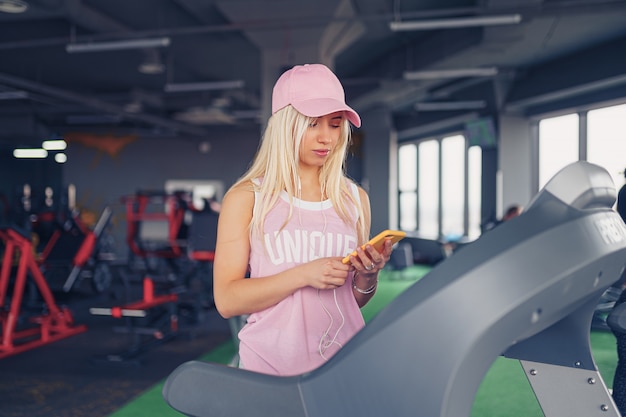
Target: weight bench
x,y
525,290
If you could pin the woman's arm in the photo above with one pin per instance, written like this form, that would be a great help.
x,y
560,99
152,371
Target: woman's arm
x,y
368,262
234,294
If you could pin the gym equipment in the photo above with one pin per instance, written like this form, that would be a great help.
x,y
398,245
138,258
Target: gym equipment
x,y
426,251
160,328
162,317
68,248
202,236
616,319
53,324
605,307
525,290
91,253
175,240
73,251
155,223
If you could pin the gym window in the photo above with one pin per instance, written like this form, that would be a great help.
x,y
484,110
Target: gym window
x,y
439,187
595,135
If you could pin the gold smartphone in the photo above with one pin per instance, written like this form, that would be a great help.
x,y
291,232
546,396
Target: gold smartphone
x,y
378,241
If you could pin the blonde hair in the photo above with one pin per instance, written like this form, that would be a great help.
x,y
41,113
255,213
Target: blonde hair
x,y
277,164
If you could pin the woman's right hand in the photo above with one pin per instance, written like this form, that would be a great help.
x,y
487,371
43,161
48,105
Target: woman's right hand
x,y
325,273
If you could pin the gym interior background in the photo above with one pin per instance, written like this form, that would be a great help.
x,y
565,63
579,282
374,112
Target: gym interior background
x,y
150,95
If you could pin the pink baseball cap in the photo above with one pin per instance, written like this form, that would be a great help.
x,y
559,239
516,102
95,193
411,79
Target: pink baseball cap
x,y
314,90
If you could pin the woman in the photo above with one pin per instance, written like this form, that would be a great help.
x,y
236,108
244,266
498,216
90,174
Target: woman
x,y
287,223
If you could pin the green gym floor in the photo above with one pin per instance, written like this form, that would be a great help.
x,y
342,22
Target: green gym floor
x,y
68,378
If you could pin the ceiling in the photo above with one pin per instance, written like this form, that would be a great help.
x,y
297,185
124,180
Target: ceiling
x,y
559,54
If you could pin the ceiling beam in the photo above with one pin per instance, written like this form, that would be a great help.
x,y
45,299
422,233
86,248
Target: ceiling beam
x,y
100,105
556,9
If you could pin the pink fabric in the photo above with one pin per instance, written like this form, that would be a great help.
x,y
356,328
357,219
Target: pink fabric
x,y
285,339
314,90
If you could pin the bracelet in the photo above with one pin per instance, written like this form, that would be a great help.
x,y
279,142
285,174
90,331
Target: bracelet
x,y
367,291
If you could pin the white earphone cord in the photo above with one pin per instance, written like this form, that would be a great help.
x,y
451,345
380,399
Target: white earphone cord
x,y
325,342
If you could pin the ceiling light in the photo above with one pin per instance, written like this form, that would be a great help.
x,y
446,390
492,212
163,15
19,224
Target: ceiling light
x,y
54,145
203,86
451,73
152,63
151,68
451,105
461,22
30,153
61,158
13,6
117,45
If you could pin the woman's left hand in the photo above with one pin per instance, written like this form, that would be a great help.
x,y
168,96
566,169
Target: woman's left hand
x,y
370,261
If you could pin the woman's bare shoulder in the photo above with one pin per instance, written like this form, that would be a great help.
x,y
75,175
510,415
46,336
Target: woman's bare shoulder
x,y
240,190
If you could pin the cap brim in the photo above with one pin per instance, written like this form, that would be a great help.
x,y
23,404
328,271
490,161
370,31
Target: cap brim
x,y
323,106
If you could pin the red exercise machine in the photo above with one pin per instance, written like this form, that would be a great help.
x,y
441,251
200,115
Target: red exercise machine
x,y
55,324
74,250
157,326
166,230
157,229
137,308
153,208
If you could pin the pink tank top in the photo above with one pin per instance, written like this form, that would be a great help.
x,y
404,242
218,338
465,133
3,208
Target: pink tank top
x,y
305,329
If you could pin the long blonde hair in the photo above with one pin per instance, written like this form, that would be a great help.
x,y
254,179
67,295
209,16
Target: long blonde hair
x,y
277,164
